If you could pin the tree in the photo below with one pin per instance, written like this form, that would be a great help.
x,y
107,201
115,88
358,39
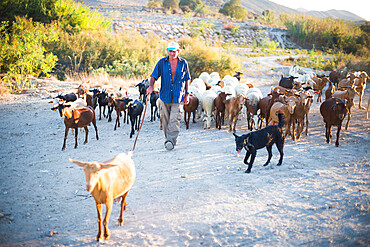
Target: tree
x,y
154,4
192,4
170,4
23,53
268,17
233,9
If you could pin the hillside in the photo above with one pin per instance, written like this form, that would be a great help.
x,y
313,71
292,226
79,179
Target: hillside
x,y
256,6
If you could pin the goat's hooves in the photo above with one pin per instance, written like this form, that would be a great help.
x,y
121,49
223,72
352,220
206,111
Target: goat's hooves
x,y
75,147
248,171
120,222
85,142
107,235
266,164
279,164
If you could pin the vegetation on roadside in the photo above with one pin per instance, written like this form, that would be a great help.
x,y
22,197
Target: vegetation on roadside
x,y
62,37
234,10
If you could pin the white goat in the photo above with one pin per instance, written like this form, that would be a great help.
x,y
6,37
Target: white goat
x,y
253,97
208,104
205,77
199,83
197,93
215,76
242,89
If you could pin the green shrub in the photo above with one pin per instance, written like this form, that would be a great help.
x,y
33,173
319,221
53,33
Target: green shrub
x,y
71,16
22,52
233,9
204,58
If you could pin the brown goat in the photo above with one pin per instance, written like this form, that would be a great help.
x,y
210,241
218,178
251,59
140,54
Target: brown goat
x,y
347,95
330,90
300,112
107,181
283,91
334,77
333,112
120,105
318,86
189,108
220,102
92,97
265,106
308,100
83,88
78,118
233,107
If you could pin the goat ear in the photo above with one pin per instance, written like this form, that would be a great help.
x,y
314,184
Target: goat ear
x,y
79,163
235,135
106,166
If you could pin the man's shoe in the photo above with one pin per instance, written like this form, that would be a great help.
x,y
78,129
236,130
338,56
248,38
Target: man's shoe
x,y
168,145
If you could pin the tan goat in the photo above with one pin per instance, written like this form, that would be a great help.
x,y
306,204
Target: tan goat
x,y
233,106
318,86
360,85
106,181
347,95
348,81
82,89
368,108
276,108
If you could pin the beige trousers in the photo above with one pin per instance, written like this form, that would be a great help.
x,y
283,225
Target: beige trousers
x,y
170,114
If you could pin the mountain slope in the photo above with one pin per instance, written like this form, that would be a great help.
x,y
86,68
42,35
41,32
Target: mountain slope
x,y
256,6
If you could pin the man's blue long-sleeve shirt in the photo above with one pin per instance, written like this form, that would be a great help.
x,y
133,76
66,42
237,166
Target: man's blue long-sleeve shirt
x,y
171,91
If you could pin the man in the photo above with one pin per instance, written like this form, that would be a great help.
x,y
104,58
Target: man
x,y
175,79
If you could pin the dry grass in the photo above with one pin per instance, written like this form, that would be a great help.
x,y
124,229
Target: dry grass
x,y
3,89
105,81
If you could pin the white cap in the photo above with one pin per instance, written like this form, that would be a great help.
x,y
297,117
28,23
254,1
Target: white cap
x,y
173,46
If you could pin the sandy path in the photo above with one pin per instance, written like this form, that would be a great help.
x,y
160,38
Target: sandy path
x,y
197,194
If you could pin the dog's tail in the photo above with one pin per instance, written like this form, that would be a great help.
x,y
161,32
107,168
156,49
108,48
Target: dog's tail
x,y
281,120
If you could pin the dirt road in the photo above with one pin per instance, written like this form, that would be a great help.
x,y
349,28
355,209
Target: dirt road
x,y
197,194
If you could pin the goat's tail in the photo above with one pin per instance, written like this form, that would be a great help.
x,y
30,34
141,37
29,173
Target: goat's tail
x,y
281,120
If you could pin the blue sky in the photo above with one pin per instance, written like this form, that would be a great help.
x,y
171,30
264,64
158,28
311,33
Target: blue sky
x,y
358,7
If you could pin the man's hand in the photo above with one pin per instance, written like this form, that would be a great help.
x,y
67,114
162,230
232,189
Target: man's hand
x,y
149,90
186,99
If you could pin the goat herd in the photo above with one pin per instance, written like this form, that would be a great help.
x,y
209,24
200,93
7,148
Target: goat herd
x,y
213,98
216,98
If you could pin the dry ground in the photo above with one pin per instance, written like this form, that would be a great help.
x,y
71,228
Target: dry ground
x,y
197,194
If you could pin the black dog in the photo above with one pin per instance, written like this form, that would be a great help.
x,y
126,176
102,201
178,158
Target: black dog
x,y
265,137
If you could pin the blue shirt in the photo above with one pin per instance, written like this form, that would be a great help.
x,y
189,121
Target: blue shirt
x,y
171,91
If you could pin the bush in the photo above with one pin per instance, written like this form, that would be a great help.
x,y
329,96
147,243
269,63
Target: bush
x,y
22,52
170,4
203,58
233,9
71,16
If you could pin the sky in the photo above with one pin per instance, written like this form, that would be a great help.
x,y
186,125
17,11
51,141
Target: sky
x,y
358,7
